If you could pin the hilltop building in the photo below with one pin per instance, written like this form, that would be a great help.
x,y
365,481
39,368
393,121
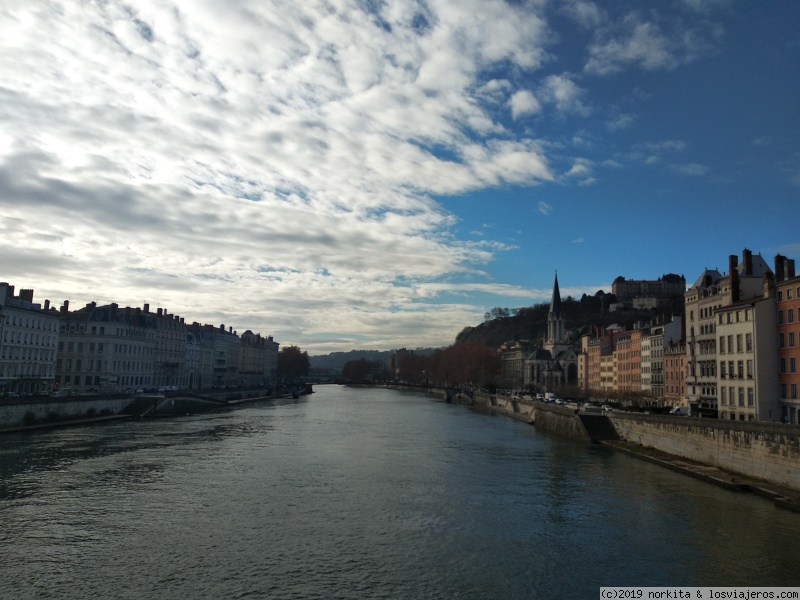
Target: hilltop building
x,y
646,293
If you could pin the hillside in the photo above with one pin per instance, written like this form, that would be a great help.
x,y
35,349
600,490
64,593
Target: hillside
x,y
580,317
337,360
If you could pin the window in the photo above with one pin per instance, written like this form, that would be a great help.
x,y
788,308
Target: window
x,y
750,397
748,342
749,369
788,293
739,347
780,317
740,370
791,339
730,369
780,296
724,398
741,396
722,369
790,315
783,390
781,340
783,365
794,391
793,365
730,344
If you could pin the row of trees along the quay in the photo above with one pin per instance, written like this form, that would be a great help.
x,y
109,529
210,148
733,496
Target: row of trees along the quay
x,y
293,365
468,364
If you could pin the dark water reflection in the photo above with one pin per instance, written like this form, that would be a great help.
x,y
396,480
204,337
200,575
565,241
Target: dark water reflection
x,y
363,494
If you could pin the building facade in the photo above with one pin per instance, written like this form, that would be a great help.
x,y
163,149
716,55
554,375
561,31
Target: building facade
x,y
747,352
28,343
787,297
712,292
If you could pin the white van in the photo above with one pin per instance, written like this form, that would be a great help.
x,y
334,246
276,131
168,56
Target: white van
x,y
681,411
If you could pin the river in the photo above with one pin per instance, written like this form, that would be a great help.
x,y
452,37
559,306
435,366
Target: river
x,y
363,493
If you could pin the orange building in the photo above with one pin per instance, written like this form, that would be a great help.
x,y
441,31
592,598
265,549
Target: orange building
x,y
787,296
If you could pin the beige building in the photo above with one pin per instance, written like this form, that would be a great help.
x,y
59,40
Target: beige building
x,y
712,292
747,353
105,349
28,343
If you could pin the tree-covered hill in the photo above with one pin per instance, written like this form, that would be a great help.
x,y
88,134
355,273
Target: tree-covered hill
x,y
580,317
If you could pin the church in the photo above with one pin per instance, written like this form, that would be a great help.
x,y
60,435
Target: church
x,y
548,366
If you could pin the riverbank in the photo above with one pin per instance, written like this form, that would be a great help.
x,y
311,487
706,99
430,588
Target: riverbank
x,y
763,448
48,413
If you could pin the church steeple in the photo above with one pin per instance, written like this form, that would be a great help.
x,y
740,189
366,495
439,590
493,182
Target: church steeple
x,y
555,320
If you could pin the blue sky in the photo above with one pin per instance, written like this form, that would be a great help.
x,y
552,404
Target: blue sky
x,y
352,174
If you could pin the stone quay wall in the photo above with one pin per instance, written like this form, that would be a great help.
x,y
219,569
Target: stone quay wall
x,y
15,414
768,451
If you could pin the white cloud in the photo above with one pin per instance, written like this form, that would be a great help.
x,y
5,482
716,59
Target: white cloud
x,y
523,103
269,165
564,93
649,44
544,208
691,169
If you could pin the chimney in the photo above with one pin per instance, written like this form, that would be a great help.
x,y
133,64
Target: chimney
x,y
147,308
790,268
768,283
222,327
780,264
47,304
65,307
160,311
747,263
733,263
230,329
26,295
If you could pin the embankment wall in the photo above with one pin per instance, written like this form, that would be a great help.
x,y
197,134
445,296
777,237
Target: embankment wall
x,y
768,451
14,415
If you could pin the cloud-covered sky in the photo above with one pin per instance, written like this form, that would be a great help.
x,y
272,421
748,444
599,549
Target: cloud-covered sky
x,y
375,174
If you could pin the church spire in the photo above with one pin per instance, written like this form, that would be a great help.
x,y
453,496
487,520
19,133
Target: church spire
x,y
555,302
555,320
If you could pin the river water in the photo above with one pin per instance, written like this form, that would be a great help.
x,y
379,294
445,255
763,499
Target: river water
x,y
364,493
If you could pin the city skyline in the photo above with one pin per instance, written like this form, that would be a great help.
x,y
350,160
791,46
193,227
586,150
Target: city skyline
x,y
373,175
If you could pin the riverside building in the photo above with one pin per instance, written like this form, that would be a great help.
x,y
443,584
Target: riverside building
x,y
28,342
787,297
106,349
711,292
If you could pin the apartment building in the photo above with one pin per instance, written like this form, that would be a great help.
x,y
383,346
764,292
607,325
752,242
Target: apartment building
x,y
105,349
258,359
747,352
675,374
628,352
169,360
711,292
787,297
28,343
